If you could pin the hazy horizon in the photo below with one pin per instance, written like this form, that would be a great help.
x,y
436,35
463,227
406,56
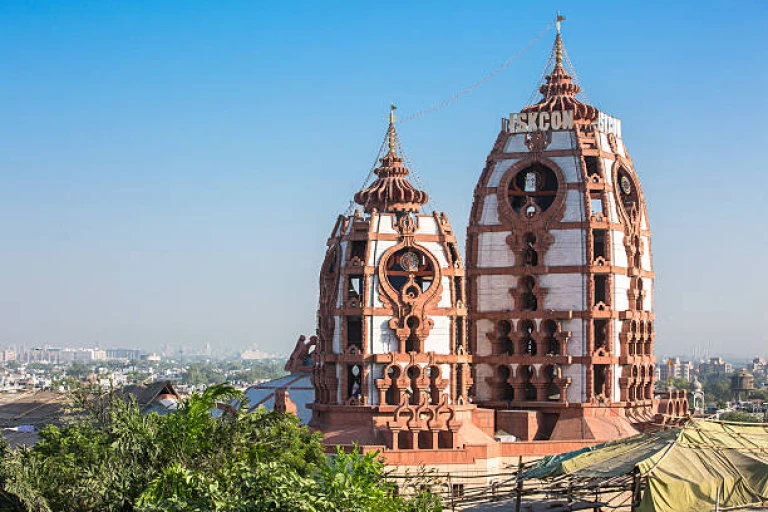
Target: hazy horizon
x,y
171,171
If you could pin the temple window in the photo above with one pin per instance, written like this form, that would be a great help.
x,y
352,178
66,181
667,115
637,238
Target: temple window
x,y
598,243
592,166
531,256
392,395
533,189
528,343
601,333
354,378
601,285
599,381
505,344
527,297
355,331
357,249
526,375
596,203
551,343
413,390
355,287
412,268
433,373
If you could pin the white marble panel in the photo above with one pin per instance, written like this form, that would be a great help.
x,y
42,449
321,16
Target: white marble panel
x,y
613,213
576,389
337,335
383,338
569,248
437,250
616,373
499,169
562,140
617,325
445,298
608,167
483,343
571,166
439,339
493,250
620,147
493,292
340,291
482,388
645,260
385,224
490,216
620,289
574,206
648,289
516,143
377,248
427,225
604,142
618,251
445,374
566,291
576,341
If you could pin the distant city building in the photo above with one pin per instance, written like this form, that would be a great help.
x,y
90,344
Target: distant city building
x,y
7,355
123,353
758,366
742,383
255,354
676,369
716,365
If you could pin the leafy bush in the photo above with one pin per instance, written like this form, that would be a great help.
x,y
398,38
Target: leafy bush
x,y
113,458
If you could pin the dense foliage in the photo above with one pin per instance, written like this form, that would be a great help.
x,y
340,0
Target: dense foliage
x,y
113,458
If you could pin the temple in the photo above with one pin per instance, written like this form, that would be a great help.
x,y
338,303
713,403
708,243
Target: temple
x,y
542,345
560,274
392,367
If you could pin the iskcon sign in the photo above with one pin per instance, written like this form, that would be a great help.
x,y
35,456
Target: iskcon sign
x,y
527,122
524,122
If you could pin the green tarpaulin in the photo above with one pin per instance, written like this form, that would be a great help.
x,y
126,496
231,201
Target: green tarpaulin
x,y
688,468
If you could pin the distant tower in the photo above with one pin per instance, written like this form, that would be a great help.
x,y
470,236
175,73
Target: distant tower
x,y
559,266
391,367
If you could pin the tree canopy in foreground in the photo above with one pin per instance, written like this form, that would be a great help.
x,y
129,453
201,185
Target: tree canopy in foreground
x,y
113,458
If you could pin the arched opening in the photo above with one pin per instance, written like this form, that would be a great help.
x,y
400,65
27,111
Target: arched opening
x,y
354,381
532,189
412,344
410,267
433,373
425,440
413,390
529,390
528,301
529,346
551,343
392,395
552,390
504,345
600,380
504,391
601,334
531,256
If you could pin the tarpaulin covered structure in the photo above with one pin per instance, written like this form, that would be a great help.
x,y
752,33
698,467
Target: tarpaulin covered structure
x,y
694,467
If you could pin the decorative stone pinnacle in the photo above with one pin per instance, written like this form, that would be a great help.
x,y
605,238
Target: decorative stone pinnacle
x,y
391,131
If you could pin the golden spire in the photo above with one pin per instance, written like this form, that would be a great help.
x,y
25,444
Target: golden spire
x,y
558,41
391,132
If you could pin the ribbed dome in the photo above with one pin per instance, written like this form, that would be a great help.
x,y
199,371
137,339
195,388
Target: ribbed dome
x,y
559,92
391,192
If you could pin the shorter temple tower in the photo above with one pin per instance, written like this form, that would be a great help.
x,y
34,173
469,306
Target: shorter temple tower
x,y
391,367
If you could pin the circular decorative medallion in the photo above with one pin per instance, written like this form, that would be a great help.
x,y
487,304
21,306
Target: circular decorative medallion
x,y
626,185
410,261
355,370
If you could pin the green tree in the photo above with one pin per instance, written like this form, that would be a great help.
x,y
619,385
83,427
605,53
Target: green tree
x,y
110,457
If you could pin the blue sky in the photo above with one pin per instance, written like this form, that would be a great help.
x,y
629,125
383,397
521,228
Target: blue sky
x,y
170,171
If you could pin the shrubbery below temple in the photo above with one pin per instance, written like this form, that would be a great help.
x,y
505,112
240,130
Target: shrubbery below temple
x,y
110,457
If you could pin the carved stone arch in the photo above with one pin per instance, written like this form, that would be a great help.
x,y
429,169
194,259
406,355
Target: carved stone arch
x,y
539,221
410,302
528,294
528,337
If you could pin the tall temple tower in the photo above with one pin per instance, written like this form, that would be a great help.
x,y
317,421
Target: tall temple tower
x,y
391,366
559,273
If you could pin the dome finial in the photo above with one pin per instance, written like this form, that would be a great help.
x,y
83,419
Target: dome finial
x,y
391,132
559,41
